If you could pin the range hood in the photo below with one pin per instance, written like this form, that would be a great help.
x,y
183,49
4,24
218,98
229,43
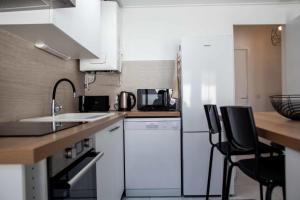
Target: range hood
x,y
17,5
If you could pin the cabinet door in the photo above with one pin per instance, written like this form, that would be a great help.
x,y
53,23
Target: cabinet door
x,y
116,133
110,170
73,31
82,23
104,170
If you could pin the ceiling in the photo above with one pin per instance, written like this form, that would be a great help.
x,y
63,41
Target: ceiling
x,y
134,3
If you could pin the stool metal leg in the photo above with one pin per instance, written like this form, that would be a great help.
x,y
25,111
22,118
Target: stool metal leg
x,y
229,174
284,192
269,192
209,171
225,168
261,192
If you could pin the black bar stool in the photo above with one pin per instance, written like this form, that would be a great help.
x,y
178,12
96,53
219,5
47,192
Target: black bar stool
x,y
241,133
225,148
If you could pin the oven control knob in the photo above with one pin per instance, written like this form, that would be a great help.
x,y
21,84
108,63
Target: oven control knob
x,y
87,142
70,153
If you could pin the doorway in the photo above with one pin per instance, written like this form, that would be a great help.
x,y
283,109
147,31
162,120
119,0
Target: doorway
x,y
258,71
241,76
258,67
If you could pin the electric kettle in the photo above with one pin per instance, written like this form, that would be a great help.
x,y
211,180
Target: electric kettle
x,y
126,101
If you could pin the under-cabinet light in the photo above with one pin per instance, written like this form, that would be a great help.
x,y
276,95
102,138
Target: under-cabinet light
x,y
44,47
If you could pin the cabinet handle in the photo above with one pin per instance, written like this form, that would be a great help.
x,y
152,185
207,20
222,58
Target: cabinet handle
x,y
114,129
84,170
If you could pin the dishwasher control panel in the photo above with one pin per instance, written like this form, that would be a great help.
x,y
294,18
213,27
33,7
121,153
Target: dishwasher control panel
x,y
153,124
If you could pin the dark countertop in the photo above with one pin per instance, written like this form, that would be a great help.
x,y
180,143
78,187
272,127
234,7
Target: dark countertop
x,y
27,129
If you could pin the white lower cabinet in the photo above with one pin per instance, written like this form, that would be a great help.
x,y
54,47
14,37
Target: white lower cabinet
x,y
110,171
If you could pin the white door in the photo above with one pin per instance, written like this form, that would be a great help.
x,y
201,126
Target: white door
x,y
196,149
207,77
105,172
110,171
116,133
241,76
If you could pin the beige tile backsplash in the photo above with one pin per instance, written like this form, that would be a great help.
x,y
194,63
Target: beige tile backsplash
x,y
135,75
27,78
28,75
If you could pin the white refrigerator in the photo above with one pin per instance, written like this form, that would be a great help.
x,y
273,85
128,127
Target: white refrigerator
x,y
207,65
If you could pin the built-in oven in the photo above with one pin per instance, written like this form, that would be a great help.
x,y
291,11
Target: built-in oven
x,y
72,172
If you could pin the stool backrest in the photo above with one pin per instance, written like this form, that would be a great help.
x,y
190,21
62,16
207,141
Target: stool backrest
x,y
240,127
213,120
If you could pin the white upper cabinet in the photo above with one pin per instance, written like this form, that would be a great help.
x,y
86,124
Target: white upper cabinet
x,y
109,59
73,32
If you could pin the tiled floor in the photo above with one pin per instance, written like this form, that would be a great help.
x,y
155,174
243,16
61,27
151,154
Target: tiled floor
x,y
246,189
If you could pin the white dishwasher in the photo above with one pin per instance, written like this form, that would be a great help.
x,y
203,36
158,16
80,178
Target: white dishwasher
x,y
153,157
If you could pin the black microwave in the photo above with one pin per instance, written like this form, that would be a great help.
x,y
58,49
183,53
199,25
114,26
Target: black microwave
x,y
155,100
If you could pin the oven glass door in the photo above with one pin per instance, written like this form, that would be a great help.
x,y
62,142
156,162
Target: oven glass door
x,y
78,181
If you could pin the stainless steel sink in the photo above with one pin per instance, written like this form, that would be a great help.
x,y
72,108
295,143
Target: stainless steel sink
x,y
70,117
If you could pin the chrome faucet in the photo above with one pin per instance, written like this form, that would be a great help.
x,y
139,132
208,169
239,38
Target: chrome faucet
x,y
55,108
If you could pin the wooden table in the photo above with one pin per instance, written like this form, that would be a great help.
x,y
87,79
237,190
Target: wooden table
x,y
281,130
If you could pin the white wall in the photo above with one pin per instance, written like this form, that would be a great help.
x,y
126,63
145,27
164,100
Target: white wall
x,y
292,58
154,33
